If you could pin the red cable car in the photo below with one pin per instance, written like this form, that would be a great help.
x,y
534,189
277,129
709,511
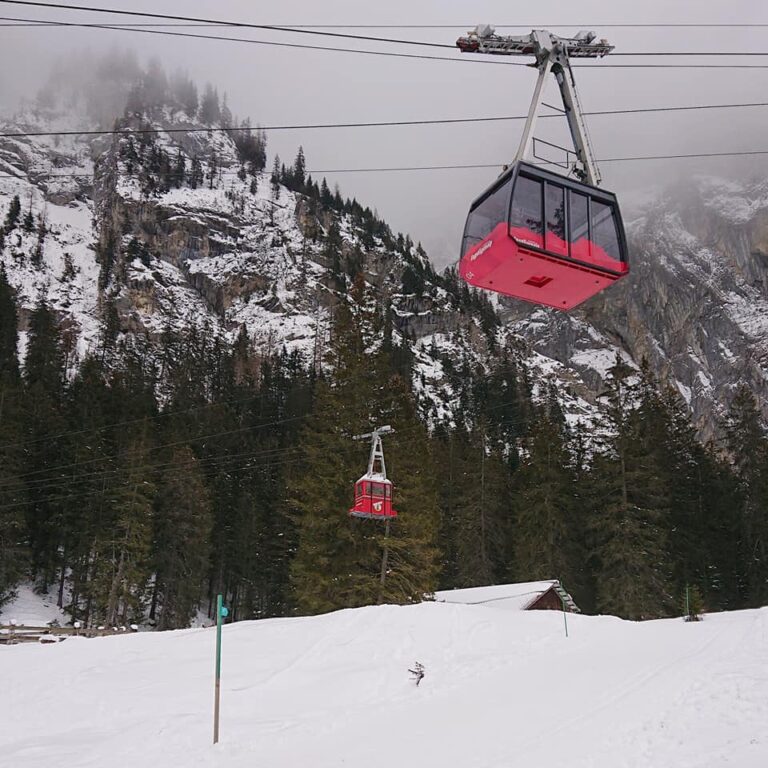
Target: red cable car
x,y
543,238
373,492
373,498
533,234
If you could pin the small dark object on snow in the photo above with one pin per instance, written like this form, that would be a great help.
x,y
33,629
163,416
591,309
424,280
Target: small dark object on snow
x,y
417,672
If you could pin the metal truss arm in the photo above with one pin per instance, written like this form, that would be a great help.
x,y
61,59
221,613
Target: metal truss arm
x,y
589,172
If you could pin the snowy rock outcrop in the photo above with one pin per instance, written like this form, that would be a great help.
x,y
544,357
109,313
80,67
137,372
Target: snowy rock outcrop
x,y
695,304
111,226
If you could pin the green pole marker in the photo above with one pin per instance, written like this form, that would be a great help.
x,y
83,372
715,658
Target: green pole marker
x,y
687,603
221,613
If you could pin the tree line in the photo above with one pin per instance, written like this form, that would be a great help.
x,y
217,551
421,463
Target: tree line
x,y
138,490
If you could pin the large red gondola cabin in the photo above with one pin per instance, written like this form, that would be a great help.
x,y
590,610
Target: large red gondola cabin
x,y
373,498
543,238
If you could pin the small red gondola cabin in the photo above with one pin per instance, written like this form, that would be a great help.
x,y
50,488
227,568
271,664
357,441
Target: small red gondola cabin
x,y
543,238
373,492
373,497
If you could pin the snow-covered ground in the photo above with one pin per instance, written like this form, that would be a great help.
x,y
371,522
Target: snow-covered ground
x,y
30,608
501,689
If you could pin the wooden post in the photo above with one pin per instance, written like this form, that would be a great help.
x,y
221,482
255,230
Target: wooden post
x,y
219,611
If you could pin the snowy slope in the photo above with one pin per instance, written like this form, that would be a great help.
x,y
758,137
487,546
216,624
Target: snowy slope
x,y
501,689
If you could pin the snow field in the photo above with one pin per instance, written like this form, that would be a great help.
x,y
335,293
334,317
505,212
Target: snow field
x,y
502,689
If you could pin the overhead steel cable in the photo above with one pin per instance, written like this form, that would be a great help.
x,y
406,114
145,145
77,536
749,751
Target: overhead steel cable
x,y
132,483
320,31
277,44
271,457
317,172
111,469
474,59
10,21
692,25
141,420
223,22
23,23
288,25
153,448
369,124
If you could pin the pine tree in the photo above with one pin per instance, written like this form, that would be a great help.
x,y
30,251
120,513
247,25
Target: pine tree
x,y
299,171
210,109
44,391
181,539
474,499
122,549
631,518
14,211
29,220
748,444
548,524
12,491
9,361
179,169
196,173
338,562
89,456
274,178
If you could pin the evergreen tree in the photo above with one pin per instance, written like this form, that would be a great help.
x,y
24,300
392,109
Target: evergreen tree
x,y
9,361
338,562
196,173
748,444
474,499
91,466
12,491
299,171
548,524
210,109
14,211
179,169
181,540
631,517
122,548
44,391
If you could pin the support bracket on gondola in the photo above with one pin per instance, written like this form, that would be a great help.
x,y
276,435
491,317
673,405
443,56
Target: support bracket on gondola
x,y
552,54
377,450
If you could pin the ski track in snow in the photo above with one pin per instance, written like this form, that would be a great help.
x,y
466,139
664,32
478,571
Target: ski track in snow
x,y
502,689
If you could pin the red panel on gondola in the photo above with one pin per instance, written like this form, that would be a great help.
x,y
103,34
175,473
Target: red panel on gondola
x,y
542,238
503,264
373,498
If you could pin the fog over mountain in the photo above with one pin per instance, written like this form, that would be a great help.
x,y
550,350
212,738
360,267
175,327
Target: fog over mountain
x,y
278,85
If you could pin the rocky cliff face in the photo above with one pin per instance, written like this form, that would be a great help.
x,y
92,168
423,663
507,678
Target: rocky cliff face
x,y
694,305
232,249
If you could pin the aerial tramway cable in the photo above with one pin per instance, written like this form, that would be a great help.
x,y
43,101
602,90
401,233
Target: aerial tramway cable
x,y
390,41
370,124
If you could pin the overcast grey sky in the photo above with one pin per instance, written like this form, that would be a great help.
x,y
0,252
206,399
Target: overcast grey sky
x,y
278,85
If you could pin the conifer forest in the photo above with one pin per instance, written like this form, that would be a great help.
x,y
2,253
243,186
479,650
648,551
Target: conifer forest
x,y
138,481
241,480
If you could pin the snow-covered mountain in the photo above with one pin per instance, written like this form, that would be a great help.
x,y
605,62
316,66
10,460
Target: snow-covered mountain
x,y
114,229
